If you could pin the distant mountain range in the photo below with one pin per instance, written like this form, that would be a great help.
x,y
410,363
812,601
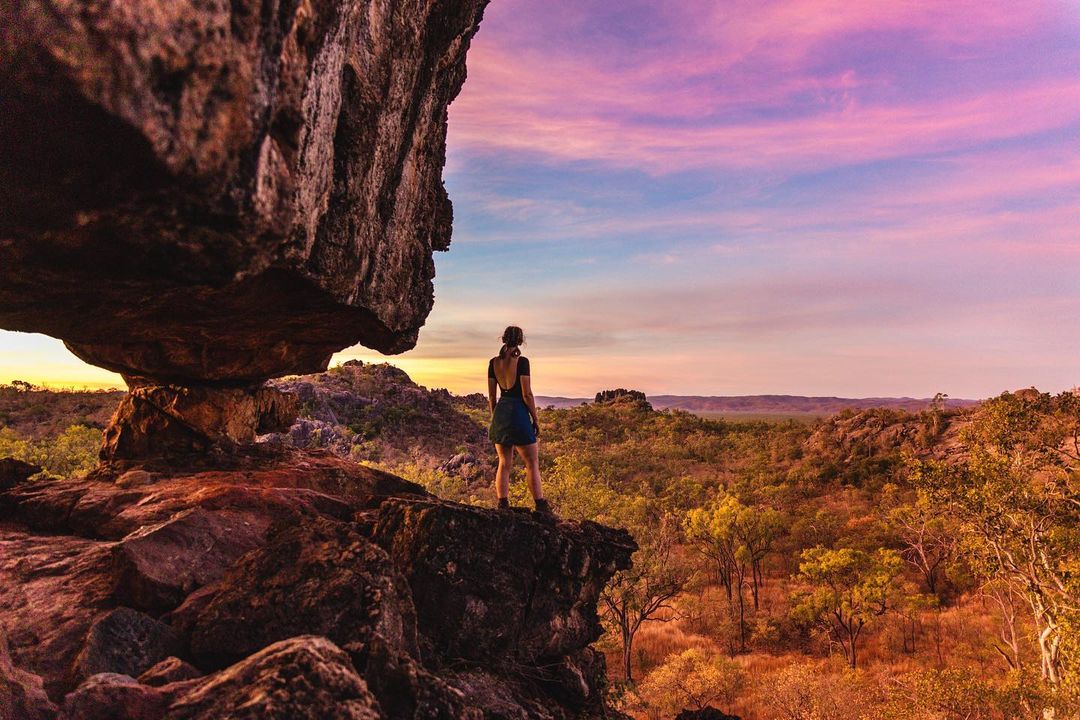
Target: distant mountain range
x,y
769,404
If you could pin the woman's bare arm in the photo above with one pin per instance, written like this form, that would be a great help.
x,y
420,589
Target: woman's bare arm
x,y
491,394
530,401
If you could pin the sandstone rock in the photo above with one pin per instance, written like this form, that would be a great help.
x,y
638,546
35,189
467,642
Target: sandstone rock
x,y
163,421
404,689
495,587
498,697
14,471
54,587
318,578
22,695
126,642
135,478
225,192
279,488
111,696
169,670
505,605
303,677
156,567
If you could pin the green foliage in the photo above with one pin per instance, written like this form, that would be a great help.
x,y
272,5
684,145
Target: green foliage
x,y
644,591
1017,506
849,589
953,694
73,452
693,679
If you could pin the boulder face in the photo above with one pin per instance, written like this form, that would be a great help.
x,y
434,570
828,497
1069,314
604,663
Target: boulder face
x,y
154,421
226,586
224,192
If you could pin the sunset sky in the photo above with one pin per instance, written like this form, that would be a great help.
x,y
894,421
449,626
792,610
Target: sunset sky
x,y
712,197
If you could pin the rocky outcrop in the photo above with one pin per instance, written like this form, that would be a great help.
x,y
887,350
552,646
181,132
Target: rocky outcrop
x,y
205,195
439,610
531,598
374,411
171,422
82,547
225,192
622,395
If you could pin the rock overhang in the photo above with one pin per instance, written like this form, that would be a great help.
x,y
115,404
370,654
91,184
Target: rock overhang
x,y
223,193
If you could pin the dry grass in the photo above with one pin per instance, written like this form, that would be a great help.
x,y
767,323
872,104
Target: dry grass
x,y
960,636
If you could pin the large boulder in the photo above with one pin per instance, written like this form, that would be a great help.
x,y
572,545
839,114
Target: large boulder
x,y
501,587
223,192
303,677
127,642
54,588
319,577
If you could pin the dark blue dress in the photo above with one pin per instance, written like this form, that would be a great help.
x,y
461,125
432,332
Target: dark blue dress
x,y
511,423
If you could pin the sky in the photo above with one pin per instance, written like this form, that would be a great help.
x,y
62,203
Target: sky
x,y
713,197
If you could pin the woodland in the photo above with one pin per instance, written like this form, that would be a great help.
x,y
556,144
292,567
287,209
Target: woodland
x,y
877,563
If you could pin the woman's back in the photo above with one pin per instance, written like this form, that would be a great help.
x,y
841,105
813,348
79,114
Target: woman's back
x,y
502,369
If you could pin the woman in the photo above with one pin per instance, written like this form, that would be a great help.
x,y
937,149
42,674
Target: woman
x,y
514,422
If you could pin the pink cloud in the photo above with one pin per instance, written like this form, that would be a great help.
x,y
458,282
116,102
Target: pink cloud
x,y
692,96
850,135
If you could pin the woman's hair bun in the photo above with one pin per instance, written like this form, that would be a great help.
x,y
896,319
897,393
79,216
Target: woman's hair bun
x,y
512,338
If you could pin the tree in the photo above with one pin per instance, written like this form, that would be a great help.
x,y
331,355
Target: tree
x,y
712,532
850,588
929,539
635,596
72,452
1018,507
757,529
715,531
951,695
693,680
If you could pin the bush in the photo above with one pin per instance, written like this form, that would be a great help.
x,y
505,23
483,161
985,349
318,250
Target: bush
x,y
73,452
692,679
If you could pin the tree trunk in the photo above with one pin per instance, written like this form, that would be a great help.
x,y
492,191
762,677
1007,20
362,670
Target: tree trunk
x,y
742,620
756,573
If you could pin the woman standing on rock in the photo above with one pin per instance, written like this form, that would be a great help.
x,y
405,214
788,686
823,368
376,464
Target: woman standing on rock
x,y
514,422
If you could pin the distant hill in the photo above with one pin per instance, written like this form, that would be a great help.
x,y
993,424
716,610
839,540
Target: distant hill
x,y
769,404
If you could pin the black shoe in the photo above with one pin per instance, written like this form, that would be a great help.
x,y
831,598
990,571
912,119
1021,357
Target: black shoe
x,y
542,508
504,503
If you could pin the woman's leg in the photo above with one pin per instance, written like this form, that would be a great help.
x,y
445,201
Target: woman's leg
x,y
502,475
531,455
